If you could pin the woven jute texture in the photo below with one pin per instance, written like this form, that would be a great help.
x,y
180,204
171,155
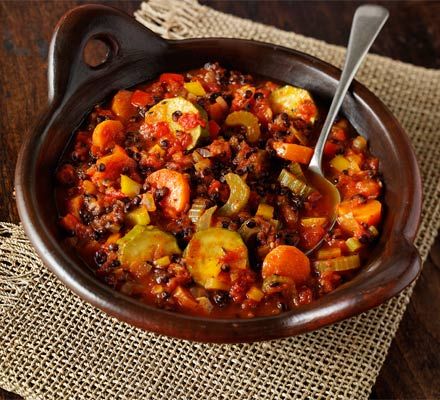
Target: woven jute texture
x,y
55,346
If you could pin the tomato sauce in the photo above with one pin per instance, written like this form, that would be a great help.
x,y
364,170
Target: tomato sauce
x,y
191,193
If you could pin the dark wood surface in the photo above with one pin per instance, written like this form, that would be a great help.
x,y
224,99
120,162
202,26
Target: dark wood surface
x,y
412,34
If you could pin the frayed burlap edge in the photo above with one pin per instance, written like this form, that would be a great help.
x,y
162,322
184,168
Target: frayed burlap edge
x,y
54,346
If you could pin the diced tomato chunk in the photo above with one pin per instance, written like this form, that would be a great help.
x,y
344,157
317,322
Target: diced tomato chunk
x,y
330,148
169,77
214,129
141,98
191,120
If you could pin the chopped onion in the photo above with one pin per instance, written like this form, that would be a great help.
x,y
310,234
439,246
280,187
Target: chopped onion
x,y
204,221
197,209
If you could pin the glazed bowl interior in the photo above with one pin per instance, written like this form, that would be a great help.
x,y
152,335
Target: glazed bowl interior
x,y
139,55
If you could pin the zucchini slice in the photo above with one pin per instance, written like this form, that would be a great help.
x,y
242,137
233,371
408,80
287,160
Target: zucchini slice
x,y
163,112
295,102
146,243
209,249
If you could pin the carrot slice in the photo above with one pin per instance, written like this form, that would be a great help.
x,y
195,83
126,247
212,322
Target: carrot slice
x,y
293,152
108,133
287,261
111,166
177,198
368,213
122,107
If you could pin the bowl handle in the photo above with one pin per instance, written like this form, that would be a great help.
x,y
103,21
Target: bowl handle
x,y
127,40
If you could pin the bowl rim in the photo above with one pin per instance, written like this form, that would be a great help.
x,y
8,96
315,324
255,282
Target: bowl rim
x,y
127,309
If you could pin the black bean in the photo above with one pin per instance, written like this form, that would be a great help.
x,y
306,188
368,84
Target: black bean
x,y
251,224
113,247
115,263
74,156
162,277
228,98
164,295
176,258
136,201
225,224
86,215
248,94
290,238
258,95
364,239
220,298
160,193
213,97
128,207
164,143
176,115
101,167
215,196
100,257
225,268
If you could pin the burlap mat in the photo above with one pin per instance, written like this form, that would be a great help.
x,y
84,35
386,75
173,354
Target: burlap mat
x,y
54,346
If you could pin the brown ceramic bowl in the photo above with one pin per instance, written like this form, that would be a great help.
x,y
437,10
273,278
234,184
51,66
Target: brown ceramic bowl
x,y
137,55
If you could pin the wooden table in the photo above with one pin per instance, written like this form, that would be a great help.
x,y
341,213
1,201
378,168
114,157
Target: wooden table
x,y
412,34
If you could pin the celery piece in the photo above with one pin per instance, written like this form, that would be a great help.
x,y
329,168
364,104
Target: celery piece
x,y
275,283
238,195
296,185
373,230
248,120
353,244
343,263
328,253
311,222
246,232
295,169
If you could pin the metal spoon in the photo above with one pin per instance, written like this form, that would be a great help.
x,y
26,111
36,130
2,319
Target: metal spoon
x,y
368,20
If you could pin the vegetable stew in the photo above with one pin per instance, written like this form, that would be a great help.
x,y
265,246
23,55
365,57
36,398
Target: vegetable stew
x,y
191,193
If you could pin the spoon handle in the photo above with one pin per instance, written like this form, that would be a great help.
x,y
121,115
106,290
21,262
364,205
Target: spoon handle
x,y
368,20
